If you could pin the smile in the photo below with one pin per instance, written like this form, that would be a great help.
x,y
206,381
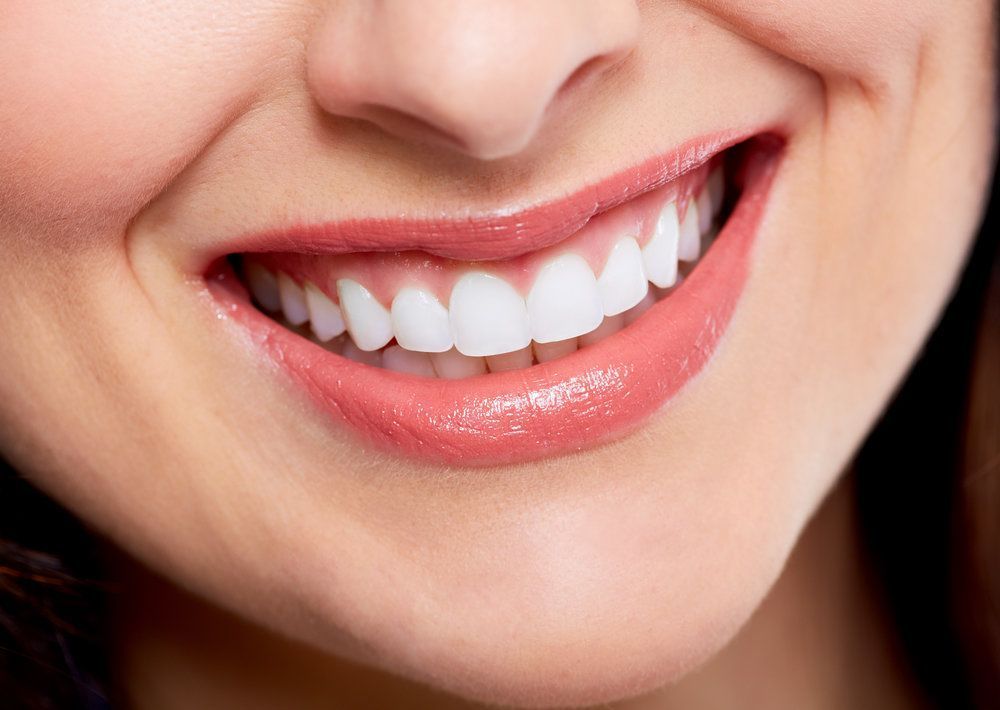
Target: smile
x,y
519,335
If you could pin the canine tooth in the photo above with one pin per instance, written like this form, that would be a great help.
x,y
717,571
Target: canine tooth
x,y
488,317
263,287
353,352
367,320
544,352
689,242
623,282
293,300
705,212
325,318
659,256
716,188
565,301
633,314
516,360
453,365
610,326
412,363
420,322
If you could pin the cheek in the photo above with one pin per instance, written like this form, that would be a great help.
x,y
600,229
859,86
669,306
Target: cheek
x,y
103,103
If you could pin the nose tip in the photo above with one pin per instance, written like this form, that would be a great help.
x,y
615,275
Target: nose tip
x,y
476,76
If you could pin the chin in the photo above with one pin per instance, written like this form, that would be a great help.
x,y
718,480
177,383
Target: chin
x,y
579,608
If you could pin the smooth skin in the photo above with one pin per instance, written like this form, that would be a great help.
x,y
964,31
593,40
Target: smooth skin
x,y
136,138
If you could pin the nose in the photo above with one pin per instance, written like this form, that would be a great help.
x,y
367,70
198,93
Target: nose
x,y
476,75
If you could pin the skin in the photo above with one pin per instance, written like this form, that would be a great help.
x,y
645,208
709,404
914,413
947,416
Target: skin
x,y
133,139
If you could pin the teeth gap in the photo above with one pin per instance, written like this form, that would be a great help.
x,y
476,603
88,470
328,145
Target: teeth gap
x,y
304,309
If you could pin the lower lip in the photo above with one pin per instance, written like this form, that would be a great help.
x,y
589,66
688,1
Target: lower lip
x,y
594,395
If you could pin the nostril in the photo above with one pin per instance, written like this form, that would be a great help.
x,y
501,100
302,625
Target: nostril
x,y
408,125
588,69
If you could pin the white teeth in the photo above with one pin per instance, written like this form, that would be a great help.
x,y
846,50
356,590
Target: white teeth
x,y
488,316
610,326
420,322
705,212
544,352
412,363
565,301
659,256
716,188
263,286
325,318
487,325
367,320
293,300
689,242
517,360
353,352
623,281
453,365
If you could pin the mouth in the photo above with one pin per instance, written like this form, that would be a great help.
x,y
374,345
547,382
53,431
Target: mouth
x,y
518,335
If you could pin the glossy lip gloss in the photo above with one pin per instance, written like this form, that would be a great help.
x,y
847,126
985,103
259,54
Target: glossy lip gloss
x,y
501,234
596,394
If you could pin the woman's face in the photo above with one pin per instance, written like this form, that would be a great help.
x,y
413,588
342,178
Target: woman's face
x,y
573,532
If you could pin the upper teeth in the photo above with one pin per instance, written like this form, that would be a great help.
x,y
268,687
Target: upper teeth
x,y
624,281
565,301
420,322
659,256
487,316
689,240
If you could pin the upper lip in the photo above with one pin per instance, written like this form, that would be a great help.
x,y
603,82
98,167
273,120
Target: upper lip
x,y
502,234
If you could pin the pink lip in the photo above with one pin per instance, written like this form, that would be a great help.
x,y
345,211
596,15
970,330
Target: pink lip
x,y
498,235
598,393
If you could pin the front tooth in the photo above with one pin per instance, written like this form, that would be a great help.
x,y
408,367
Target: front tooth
x,y
705,212
716,187
488,316
293,300
516,360
610,326
623,281
565,301
420,322
689,242
367,320
453,365
544,352
412,363
263,286
659,256
325,318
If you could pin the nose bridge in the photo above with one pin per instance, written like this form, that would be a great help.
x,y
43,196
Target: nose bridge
x,y
477,75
